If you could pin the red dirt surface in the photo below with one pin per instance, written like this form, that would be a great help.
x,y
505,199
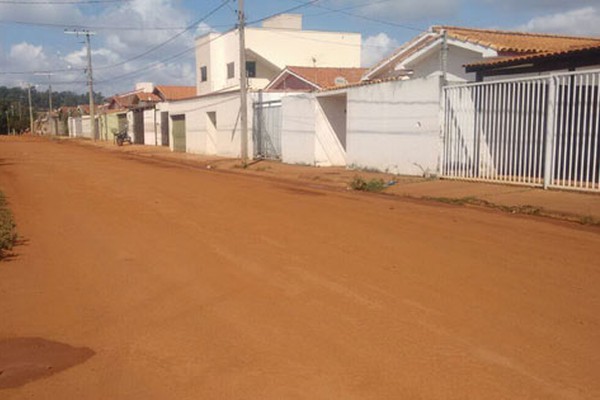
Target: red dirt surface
x,y
194,284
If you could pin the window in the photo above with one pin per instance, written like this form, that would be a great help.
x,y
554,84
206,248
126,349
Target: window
x,y
230,70
203,74
251,69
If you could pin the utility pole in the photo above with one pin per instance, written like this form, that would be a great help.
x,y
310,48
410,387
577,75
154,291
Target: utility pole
x,y
30,109
243,82
90,75
444,58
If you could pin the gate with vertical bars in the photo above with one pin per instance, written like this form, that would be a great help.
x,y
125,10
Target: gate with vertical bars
x,y
541,131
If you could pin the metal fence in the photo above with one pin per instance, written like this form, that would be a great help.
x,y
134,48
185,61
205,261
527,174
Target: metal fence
x,y
541,131
266,130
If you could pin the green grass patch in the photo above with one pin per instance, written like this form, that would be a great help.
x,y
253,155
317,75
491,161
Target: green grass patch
x,y
363,185
8,233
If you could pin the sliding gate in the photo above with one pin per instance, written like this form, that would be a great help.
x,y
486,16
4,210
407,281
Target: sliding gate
x,y
539,132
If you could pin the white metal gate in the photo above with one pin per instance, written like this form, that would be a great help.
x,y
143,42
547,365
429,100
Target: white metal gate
x,y
266,130
541,131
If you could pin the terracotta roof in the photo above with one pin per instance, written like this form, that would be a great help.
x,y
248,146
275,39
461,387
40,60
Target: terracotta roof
x,y
148,97
516,60
506,43
516,42
365,83
325,77
176,92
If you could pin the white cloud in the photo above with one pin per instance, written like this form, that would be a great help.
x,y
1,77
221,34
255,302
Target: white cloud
x,y
376,47
401,10
582,21
49,13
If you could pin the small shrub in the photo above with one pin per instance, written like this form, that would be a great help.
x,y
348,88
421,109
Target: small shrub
x,y
8,234
373,185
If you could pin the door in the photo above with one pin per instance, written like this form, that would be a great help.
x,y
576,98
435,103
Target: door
x,y
178,122
164,128
138,126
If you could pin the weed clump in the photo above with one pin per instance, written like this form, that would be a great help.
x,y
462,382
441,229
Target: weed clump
x,y
373,185
8,233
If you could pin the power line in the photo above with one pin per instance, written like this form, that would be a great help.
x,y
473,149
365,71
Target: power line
x,y
49,2
101,27
310,3
366,18
161,62
171,39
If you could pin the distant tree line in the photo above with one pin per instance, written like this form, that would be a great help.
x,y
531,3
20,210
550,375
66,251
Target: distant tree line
x,y
14,105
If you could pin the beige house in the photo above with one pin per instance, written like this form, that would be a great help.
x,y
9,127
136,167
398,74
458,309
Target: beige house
x,y
279,42
421,57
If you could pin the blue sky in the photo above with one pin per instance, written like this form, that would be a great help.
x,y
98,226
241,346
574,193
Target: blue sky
x,y
32,38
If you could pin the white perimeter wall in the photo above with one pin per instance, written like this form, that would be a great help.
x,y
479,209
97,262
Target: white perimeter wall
x,y
390,126
298,129
200,139
394,126
150,128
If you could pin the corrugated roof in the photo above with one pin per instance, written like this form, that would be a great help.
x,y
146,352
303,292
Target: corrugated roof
x,y
176,92
325,78
514,41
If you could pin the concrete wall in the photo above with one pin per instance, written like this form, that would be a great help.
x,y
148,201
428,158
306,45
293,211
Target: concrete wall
x,y
201,137
430,64
86,127
308,136
298,139
394,126
151,135
390,126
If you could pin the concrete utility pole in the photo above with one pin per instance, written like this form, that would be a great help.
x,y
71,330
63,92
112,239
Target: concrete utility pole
x,y
30,109
49,75
87,35
444,58
243,82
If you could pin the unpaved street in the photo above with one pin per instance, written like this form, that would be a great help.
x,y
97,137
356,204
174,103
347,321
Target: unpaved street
x,y
180,283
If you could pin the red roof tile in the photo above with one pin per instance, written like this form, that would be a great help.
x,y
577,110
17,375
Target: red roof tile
x,y
176,92
516,42
326,77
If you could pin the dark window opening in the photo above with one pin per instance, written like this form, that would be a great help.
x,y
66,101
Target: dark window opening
x,y
203,74
251,69
230,70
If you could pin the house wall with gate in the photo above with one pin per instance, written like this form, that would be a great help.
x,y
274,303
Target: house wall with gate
x,y
212,124
389,126
150,129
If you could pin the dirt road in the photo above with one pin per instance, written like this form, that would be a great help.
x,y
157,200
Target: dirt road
x,y
179,283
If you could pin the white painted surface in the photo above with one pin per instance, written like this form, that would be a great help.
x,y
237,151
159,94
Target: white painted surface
x,y
86,127
150,133
430,63
225,139
272,49
284,21
298,131
394,126
330,131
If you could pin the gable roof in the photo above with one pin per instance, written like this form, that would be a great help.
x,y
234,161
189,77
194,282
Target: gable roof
x,y
320,78
504,43
514,41
132,99
572,57
175,92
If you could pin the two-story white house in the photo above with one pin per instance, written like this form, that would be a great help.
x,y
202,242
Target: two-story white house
x,y
278,43
209,123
